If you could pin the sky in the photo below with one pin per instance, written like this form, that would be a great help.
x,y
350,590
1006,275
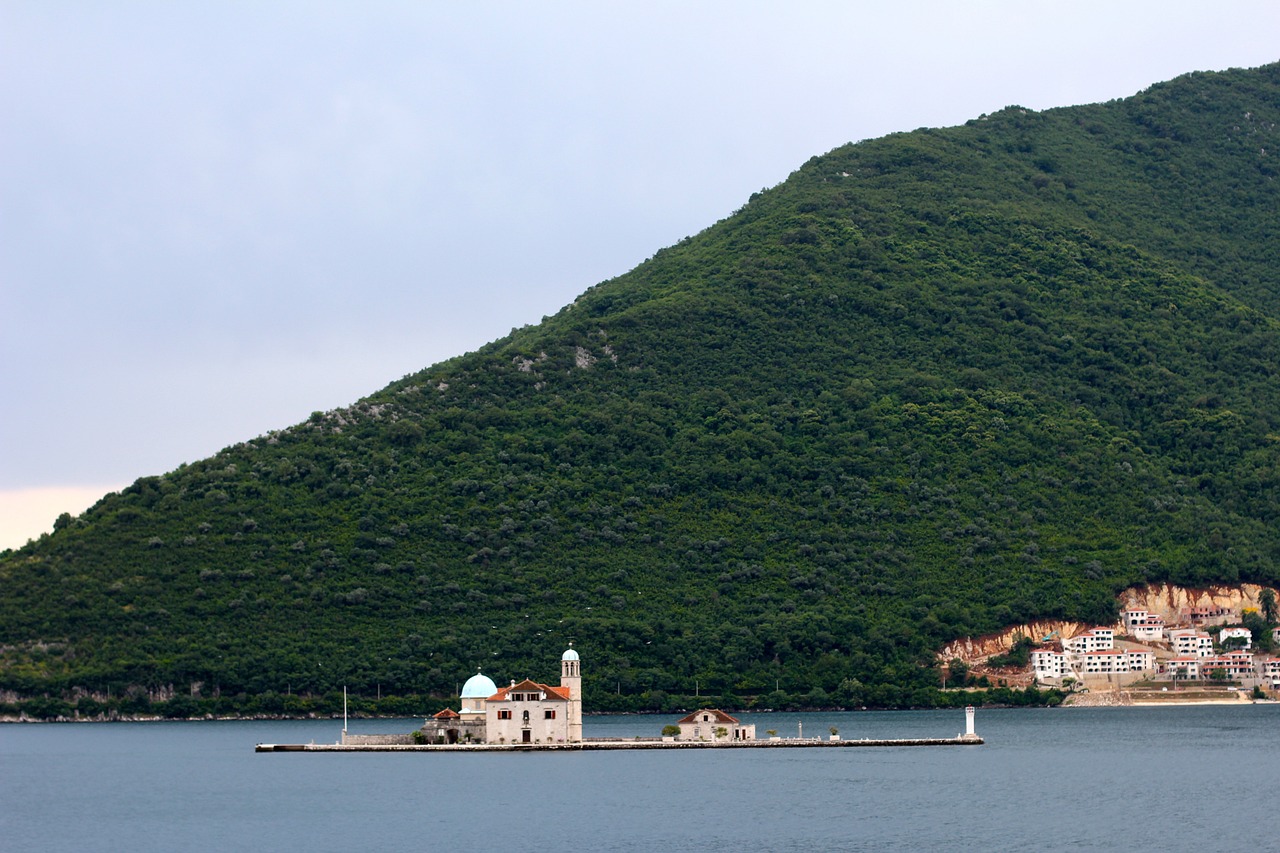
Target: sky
x,y
217,218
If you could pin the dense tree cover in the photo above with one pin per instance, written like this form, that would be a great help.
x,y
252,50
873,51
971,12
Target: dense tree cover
x,y
931,385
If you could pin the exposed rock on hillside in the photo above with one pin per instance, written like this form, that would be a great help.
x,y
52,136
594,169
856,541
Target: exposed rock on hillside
x,y
974,649
1171,601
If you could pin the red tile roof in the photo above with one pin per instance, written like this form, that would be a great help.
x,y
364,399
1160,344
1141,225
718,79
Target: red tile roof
x,y
446,714
720,716
530,686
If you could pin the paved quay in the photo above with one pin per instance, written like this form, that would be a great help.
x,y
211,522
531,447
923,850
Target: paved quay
x,y
637,743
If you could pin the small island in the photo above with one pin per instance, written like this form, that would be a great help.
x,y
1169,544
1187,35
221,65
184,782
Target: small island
x,y
529,715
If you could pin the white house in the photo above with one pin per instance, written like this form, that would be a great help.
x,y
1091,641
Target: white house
x,y
1104,661
1234,664
1236,634
1117,660
1189,641
1269,671
712,724
1144,625
1183,666
1141,660
1047,663
1099,639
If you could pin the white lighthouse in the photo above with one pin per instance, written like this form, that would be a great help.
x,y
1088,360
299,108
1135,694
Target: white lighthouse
x,y
969,733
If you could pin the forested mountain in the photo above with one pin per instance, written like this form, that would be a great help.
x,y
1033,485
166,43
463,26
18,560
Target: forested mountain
x,y
931,385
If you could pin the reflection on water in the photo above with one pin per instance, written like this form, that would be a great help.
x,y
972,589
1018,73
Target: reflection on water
x,y
1047,779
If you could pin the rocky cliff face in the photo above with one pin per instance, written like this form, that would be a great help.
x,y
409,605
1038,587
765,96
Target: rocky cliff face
x,y
1170,601
970,649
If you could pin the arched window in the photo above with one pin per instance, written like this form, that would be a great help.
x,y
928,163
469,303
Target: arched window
x,y
526,716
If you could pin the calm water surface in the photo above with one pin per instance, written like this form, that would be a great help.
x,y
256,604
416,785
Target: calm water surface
x,y
1190,778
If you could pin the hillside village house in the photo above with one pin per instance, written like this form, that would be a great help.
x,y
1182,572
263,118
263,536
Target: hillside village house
x,y
1269,671
1189,641
1233,664
524,712
1184,651
1242,637
1207,615
1047,663
1144,625
1118,660
1097,640
1183,666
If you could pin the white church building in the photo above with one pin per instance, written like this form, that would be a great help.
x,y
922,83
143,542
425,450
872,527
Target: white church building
x,y
522,712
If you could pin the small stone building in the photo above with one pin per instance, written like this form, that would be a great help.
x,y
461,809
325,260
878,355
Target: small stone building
x,y
467,726
713,725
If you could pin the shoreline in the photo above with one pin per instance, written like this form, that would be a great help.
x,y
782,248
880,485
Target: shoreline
x,y
649,743
1244,699
1109,700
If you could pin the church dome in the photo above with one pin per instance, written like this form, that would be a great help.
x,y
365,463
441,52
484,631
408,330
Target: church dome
x,y
478,686
569,655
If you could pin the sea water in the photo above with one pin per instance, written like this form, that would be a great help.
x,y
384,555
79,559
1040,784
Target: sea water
x,y
1169,778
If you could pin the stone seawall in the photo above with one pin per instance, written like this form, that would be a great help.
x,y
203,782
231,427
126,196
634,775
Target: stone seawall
x,y
376,740
586,746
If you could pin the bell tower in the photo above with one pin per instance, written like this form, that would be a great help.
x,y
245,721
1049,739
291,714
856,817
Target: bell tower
x,y
571,677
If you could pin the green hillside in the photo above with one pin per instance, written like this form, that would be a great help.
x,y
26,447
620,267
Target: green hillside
x,y
931,385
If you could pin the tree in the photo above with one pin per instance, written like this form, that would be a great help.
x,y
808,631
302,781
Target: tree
x,y
670,731
1268,601
1260,630
1019,654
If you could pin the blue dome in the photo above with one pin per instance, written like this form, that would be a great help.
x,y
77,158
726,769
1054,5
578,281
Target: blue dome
x,y
478,687
569,655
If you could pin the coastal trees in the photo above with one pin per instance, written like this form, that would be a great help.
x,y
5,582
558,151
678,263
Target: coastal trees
x,y
896,400
1260,629
1019,655
1267,600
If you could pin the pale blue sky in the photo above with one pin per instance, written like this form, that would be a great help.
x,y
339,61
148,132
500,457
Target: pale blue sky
x,y
218,218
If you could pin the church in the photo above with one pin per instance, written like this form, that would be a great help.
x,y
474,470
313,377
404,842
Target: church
x,y
525,712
